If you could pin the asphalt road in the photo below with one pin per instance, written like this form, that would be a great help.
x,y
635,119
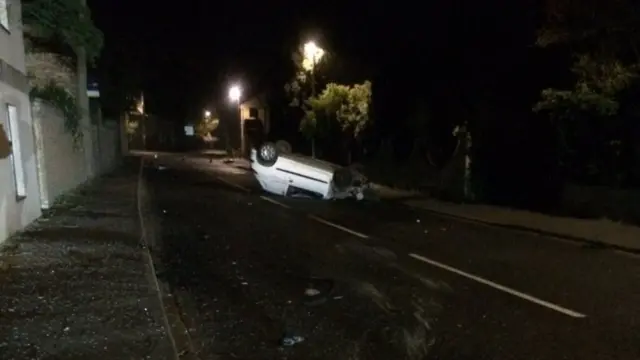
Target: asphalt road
x,y
393,282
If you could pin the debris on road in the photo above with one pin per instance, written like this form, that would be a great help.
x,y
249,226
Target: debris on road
x,y
291,340
311,292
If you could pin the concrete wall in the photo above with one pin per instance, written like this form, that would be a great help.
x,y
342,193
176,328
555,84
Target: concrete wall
x,y
61,166
19,200
11,41
16,212
109,154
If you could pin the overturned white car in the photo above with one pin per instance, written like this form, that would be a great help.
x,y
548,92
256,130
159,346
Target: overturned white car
x,y
281,172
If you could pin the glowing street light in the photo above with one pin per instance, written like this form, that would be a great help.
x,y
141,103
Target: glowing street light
x,y
234,93
207,113
312,55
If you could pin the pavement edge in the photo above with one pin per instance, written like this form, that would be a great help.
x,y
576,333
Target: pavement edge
x,y
574,239
177,331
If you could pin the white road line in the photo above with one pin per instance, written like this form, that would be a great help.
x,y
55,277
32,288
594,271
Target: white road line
x,y
339,227
232,184
497,286
275,202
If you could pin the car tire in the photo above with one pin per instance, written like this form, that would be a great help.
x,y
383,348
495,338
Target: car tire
x,y
267,154
342,179
284,147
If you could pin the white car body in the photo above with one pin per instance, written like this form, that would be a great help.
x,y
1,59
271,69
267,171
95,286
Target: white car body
x,y
292,173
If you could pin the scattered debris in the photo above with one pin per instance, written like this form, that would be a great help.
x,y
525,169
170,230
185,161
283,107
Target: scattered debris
x,y
291,340
311,292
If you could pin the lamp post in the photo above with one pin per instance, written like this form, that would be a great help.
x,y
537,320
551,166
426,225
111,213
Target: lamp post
x,y
235,92
312,55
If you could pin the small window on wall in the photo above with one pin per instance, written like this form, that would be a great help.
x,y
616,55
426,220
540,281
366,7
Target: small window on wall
x,y
4,14
17,165
253,113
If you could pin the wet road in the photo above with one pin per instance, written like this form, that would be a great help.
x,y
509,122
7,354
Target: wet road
x,y
393,282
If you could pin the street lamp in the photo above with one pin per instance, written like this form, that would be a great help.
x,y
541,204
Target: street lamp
x,y
235,92
312,55
207,113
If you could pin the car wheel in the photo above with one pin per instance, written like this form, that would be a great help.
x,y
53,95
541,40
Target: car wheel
x,y
267,154
283,147
342,179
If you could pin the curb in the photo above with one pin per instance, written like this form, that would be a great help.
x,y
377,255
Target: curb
x,y
575,239
177,331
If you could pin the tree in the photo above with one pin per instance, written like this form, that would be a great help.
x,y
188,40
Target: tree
x,y
604,35
68,22
301,88
347,106
598,83
206,126
605,39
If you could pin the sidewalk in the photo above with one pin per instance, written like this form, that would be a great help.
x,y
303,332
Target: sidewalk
x,y
76,285
601,231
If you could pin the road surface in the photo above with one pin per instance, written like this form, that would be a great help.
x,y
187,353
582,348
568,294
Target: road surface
x,y
363,280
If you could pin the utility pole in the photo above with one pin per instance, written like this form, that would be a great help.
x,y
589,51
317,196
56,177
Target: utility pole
x,y
313,95
143,120
83,106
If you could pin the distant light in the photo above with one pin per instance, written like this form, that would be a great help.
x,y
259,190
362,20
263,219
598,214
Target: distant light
x,y
207,113
189,130
93,94
313,52
234,93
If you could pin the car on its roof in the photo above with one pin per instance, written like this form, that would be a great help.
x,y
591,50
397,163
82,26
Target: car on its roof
x,y
281,172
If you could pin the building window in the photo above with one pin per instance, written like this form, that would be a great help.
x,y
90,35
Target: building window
x,y
253,113
4,14
12,131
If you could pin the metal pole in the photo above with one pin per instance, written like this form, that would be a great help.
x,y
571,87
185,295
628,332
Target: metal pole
x,y
243,144
313,94
83,102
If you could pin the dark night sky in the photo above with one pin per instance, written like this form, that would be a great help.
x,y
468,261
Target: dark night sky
x,y
184,54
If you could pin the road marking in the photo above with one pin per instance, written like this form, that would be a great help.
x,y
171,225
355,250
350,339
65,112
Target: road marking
x,y
497,286
339,227
232,184
275,202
